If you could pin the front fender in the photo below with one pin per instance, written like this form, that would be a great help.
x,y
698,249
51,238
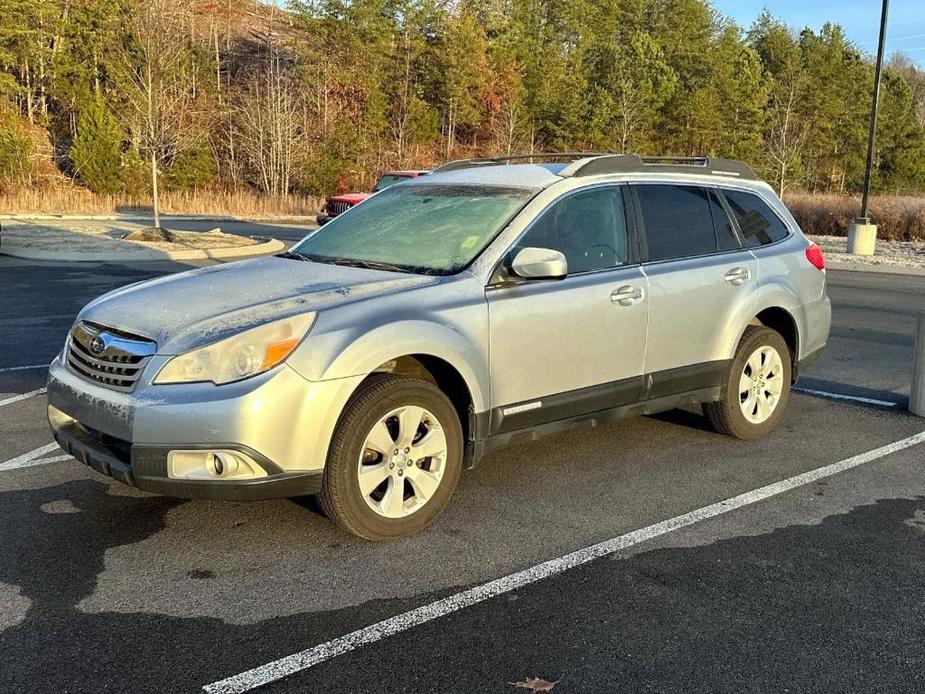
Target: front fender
x,y
448,321
409,337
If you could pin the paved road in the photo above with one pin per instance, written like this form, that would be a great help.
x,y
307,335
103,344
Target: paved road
x,y
103,588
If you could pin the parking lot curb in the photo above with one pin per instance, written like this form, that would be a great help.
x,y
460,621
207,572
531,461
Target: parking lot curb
x,y
267,247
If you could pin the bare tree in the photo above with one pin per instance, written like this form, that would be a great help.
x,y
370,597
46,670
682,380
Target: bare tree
x,y
268,118
155,73
509,122
629,113
401,116
785,135
639,81
915,76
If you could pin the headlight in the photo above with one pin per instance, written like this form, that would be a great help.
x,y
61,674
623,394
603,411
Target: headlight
x,y
240,356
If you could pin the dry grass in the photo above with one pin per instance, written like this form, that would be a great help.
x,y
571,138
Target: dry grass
x,y
74,200
898,218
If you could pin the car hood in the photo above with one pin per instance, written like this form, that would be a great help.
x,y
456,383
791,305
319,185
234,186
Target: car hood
x,y
190,309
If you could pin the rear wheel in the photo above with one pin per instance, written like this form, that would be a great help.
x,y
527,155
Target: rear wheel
x,y
394,460
756,387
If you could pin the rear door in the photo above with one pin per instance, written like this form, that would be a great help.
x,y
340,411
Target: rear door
x,y
703,286
561,348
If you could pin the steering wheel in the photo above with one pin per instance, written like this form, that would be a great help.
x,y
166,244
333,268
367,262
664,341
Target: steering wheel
x,y
606,248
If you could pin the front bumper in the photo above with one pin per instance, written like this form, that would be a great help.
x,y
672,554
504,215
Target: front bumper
x,y
145,467
279,420
323,219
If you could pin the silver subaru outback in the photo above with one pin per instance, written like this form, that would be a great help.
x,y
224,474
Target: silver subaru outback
x,y
487,303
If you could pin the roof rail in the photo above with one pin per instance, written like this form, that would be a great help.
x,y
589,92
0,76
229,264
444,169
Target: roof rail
x,y
509,158
633,163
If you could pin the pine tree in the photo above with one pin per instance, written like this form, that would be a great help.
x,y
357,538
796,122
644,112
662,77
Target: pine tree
x,y
96,154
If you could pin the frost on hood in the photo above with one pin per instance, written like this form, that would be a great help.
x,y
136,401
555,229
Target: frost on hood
x,y
187,310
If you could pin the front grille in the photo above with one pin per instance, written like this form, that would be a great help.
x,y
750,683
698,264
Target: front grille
x,y
108,357
335,208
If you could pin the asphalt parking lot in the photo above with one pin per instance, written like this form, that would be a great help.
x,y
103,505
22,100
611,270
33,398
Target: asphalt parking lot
x,y
816,585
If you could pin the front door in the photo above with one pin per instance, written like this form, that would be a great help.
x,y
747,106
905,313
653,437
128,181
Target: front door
x,y
562,348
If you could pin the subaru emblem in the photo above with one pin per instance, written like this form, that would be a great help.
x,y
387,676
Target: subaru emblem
x,y
97,345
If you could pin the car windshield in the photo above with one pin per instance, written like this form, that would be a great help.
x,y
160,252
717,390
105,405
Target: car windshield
x,y
435,229
387,180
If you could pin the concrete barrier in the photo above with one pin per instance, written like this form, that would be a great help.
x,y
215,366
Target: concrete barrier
x,y
862,239
917,396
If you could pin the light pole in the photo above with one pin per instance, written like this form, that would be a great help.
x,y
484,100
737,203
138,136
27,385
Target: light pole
x,y
862,235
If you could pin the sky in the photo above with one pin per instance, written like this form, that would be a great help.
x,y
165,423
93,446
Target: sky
x,y
860,18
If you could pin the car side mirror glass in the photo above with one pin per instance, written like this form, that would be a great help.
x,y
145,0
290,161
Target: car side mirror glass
x,y
539,264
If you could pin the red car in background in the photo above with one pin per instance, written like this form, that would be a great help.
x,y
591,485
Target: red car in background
x,y
338,204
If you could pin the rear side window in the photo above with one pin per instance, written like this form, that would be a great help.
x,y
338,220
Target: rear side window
x,y
683,221
759,224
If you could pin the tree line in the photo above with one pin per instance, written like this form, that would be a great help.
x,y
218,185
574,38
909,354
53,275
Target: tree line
x,y
126,96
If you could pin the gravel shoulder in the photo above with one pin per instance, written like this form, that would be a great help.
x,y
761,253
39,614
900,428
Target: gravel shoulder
x,y
890,254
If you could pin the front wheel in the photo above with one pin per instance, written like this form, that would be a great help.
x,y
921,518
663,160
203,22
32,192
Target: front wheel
x,y
756,387
394,460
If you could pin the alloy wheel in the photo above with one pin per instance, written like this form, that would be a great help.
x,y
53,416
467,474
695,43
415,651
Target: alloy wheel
x,y
402,461
761,384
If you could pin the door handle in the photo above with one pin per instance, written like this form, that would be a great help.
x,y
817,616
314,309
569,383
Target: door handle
x,y
627,295
737,276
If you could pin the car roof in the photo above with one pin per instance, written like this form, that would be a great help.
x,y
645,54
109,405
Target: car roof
x,y
521,175
539,176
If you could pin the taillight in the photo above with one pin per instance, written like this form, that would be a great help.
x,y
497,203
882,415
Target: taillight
x,y
814,255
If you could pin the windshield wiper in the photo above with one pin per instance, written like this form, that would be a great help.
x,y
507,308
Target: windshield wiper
x,y
366,264
292,255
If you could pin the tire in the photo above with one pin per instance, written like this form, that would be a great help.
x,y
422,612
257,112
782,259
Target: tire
x,y
414,487
741,411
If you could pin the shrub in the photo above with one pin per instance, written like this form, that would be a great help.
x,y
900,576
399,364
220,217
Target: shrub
x,y
191,170
96,153
136,176
320,174
898,218
16,148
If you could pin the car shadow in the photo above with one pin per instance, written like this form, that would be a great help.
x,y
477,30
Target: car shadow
x,y
690,418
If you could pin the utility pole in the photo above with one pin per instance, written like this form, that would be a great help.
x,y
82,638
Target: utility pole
x,y
862,235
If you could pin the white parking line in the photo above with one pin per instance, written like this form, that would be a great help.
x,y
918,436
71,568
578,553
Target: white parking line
x,y
840,396
308,658
23,368
30,458
55,459
23,396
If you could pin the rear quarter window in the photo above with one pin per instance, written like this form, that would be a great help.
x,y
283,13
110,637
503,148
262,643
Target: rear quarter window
x,y
758,223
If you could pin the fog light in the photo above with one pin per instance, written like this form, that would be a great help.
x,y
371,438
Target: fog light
x,y
223,464
212,465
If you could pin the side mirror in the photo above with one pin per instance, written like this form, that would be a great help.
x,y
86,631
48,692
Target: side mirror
x,y
539,264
